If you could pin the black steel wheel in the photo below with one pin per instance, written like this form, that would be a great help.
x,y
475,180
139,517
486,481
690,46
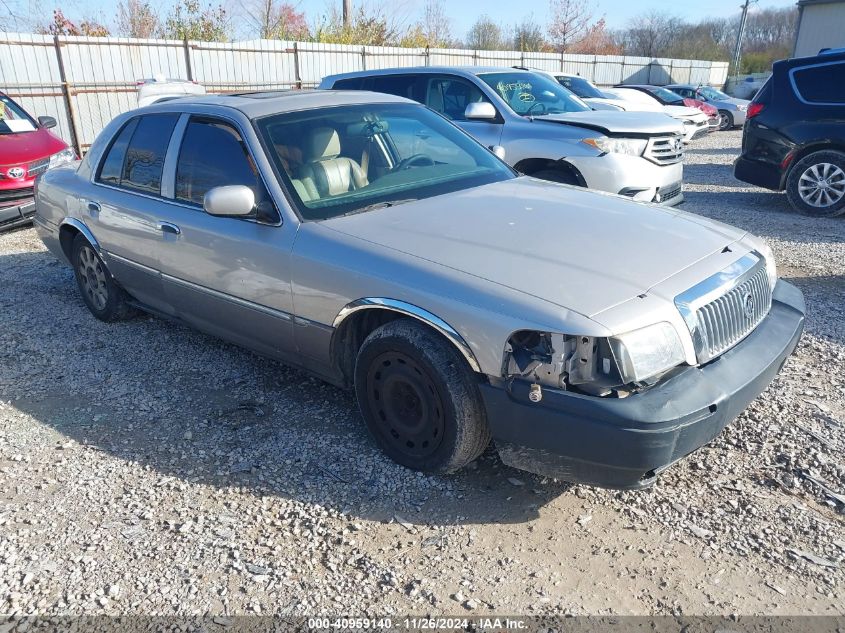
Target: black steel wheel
x,y
419,398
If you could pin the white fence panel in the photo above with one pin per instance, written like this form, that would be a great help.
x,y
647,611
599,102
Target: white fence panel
x,y
101,73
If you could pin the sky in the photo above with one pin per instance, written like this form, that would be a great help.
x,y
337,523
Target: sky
x,y
462,13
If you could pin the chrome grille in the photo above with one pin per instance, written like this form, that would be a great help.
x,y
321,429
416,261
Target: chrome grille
x,y
664,150
724,309
38,167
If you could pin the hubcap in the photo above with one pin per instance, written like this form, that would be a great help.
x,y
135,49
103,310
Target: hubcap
x,y
92,278
822,185
407,406
723,121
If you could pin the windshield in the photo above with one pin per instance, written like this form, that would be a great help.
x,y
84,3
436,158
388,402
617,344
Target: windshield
x,y
13,119
712,93
666,95
352,159
581,87
534,95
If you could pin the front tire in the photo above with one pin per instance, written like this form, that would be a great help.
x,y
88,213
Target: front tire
x,y
816,184
104,298
419,398
726,120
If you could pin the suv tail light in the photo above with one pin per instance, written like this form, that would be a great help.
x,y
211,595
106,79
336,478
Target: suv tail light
x,y
754,109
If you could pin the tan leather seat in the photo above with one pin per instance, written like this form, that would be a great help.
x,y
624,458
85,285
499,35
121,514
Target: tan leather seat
x,y
326,172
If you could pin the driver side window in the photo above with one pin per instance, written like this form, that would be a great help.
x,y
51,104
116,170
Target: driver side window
x,y
450,96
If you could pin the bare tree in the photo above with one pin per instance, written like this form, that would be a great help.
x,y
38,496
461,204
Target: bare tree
x,y
485,35
528,37
275,19
189,20
436,25
569,22
651,34
597,40
136,18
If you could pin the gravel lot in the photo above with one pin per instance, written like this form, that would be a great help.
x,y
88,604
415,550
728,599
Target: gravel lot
x,y
146,468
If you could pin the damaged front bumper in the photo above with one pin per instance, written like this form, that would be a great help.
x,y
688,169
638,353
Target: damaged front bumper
x,y
624,443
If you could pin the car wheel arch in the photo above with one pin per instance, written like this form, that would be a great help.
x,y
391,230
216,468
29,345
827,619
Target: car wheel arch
x,y
69,228
359,318
530,166
805,150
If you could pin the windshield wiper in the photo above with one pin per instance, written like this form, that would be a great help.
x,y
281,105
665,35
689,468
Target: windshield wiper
x,y
376,205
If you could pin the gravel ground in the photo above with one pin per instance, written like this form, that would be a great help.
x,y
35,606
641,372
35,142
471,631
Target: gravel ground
x,y
146,468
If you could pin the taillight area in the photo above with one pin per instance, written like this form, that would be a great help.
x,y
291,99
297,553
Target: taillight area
x,y
754,109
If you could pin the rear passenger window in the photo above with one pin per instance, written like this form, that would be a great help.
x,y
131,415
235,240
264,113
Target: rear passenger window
x,y
145,156
112,166
213,154
354,83
399,85
821,84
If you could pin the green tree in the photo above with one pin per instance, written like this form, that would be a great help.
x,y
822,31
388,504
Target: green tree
x,y
486,35
189,20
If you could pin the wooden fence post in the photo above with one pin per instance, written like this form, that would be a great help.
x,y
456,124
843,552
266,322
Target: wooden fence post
x,y
71,117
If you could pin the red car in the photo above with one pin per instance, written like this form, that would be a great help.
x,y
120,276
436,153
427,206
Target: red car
x,y
27,148
667,97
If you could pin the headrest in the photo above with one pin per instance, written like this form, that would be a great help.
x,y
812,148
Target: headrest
x,y
324,144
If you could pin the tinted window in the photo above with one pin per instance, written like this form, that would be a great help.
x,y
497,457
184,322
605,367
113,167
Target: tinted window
x,y
355,83
213,155
112,165
580,87
450,96
821,84
399,85
145,155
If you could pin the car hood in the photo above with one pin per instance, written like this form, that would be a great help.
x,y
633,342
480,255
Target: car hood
x,y
683,112
25,147
734,101
617,122
581,250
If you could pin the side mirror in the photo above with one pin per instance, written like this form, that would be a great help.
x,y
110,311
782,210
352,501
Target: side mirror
x,y
499,151
480,111
230,200
47,121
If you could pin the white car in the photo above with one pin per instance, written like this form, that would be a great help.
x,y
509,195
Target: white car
x,y
696,123
159,88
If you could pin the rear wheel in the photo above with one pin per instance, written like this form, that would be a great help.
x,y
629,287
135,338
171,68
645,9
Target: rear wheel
x,y
816,184
419,398
726,120
104,298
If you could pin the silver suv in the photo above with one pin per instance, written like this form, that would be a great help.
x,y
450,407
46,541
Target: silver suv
x,y
460,300
544,129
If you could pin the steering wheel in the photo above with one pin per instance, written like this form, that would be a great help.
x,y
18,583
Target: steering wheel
x,y
415,160
534,105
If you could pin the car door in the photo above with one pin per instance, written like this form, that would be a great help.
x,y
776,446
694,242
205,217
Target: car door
x,y
228,276
449,95
122,205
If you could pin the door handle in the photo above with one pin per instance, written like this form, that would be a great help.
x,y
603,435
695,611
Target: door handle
x,y
93,207
167,227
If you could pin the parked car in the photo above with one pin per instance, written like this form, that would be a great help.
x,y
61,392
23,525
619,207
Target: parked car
x,y
27,149
696,123
582,88
731,110
159,88
544,130
594,339
794,137
666,97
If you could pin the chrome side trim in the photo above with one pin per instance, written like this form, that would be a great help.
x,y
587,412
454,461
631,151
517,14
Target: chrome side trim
x,y
279,314
80,226
131,262
690,301
409,309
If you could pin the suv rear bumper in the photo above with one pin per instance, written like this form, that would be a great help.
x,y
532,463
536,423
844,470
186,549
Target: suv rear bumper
x,y
755,172
623,443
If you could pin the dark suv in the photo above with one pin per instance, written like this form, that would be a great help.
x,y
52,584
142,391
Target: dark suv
x,y
794,136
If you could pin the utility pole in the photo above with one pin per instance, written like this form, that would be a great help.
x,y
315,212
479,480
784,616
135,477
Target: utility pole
x,y
740,35
347,12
